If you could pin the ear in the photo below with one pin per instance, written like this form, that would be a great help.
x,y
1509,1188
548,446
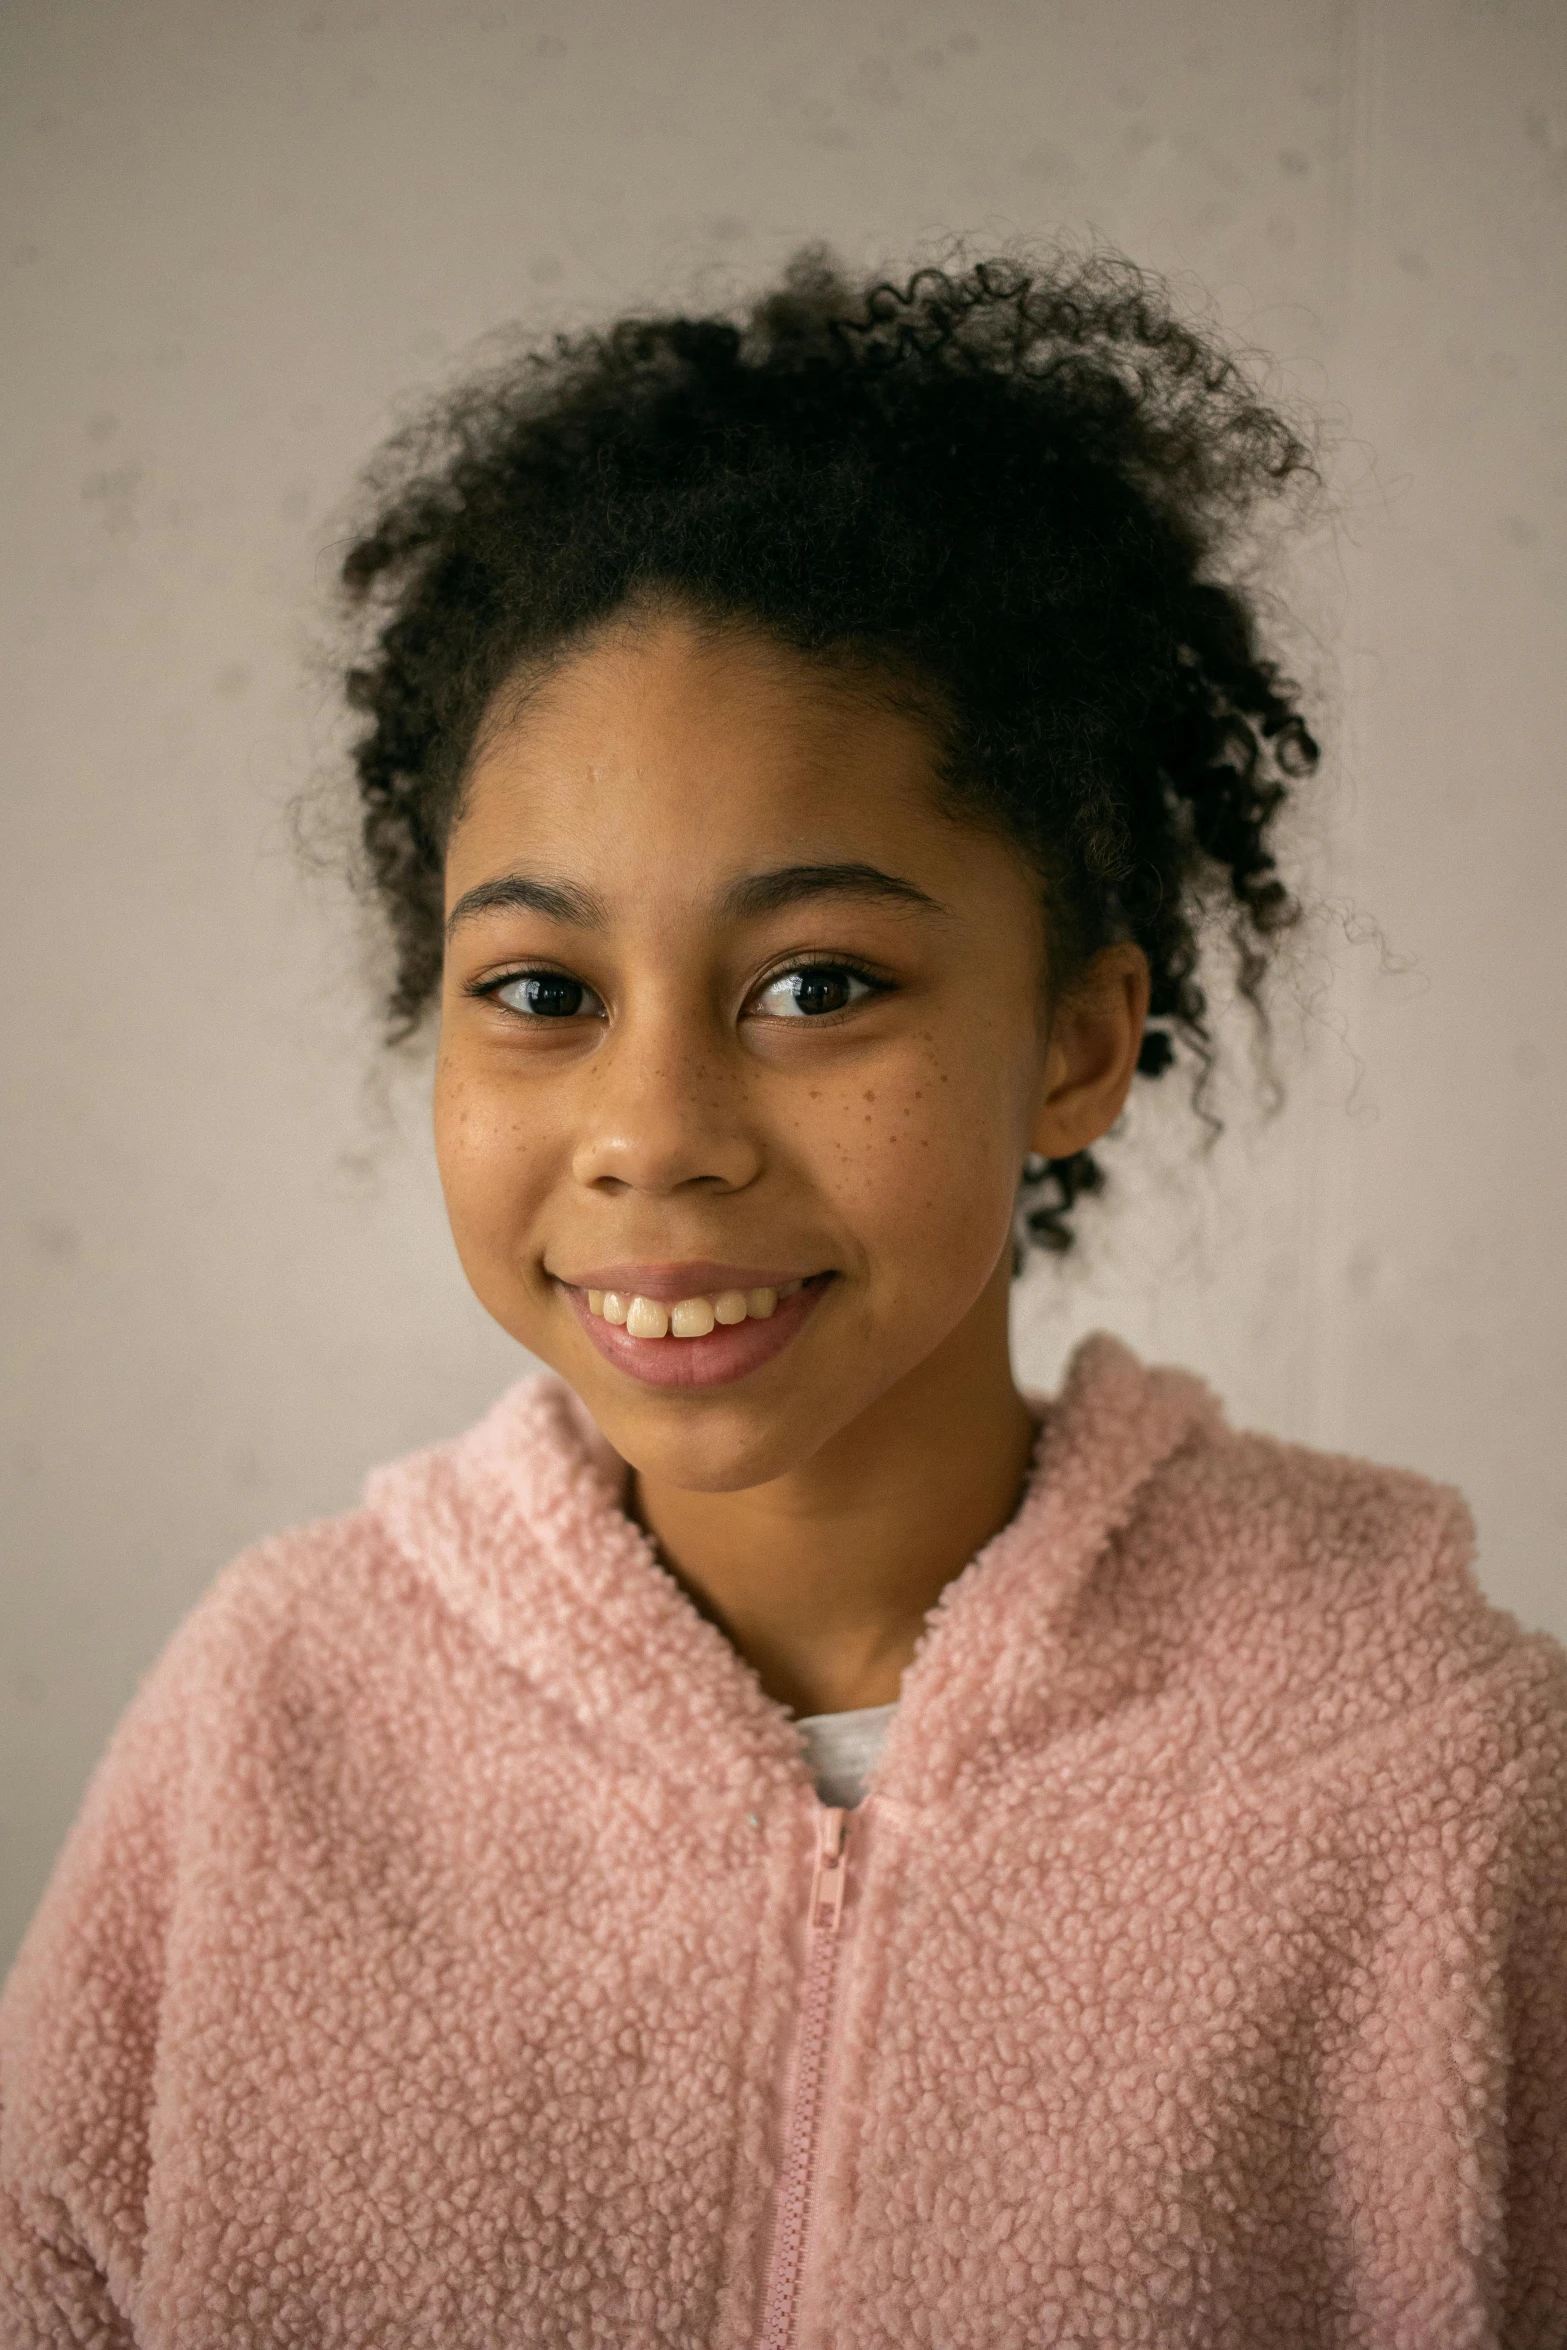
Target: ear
x,y
1091,1052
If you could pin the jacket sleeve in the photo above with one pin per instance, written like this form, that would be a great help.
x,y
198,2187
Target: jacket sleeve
x,y
1534,1988
78,2038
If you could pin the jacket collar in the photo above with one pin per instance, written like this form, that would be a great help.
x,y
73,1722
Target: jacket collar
x,y
519,1527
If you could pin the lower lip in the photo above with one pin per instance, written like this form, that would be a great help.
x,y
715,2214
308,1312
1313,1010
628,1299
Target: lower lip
x,y
731,1351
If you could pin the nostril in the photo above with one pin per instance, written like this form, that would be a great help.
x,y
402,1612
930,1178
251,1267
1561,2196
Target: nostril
x,y
617,1162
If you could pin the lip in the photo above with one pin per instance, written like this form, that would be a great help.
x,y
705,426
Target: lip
x,y
727,1353
698,1277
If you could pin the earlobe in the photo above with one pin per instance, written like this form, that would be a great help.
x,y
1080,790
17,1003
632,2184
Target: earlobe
x,y
1096,1031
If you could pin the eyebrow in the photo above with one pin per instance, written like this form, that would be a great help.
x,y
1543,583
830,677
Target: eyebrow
x,y
758,893
561,901
786,885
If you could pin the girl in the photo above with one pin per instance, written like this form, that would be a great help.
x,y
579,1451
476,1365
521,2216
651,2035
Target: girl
x,y
779,1837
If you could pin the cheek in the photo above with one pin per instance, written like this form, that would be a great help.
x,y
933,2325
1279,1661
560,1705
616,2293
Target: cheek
x,y
923,1158
492,1158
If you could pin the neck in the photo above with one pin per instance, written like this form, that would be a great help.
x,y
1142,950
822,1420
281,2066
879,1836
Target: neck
x,y
823,1578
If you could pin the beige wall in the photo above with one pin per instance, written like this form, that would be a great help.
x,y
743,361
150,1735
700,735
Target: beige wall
x,y
235,237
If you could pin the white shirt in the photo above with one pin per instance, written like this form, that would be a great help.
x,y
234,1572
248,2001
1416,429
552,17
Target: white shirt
x,y
842,1750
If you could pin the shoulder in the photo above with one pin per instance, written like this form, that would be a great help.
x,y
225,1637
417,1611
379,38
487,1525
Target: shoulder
x,y
355,1578
1328,1596
325,1586
1330,1512
1258,1526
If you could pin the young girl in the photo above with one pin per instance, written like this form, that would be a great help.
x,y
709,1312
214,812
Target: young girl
x,y
779,1837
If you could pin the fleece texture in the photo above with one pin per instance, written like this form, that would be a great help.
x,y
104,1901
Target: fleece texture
x,y
424,1969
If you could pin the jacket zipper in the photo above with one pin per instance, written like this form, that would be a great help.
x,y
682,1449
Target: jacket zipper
x,y
795,2179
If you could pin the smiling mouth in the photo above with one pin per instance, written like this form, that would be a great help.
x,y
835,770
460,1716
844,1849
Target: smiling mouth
x,y
666,1331
691,1317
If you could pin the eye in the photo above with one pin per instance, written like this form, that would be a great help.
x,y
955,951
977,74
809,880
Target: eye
x,y
812,989
546,995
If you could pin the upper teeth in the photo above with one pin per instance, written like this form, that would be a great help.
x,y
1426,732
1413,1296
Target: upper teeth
x,y
693,1317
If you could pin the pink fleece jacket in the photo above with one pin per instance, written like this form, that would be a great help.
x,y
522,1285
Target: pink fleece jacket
x,y
452,1951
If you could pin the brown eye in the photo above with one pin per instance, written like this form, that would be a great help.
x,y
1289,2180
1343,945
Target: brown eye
x,y
811,990
546,995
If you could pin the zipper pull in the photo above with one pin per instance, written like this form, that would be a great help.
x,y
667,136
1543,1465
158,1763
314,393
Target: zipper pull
x,y
827,1879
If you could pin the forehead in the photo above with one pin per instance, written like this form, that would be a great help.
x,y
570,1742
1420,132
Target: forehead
x,y
669,744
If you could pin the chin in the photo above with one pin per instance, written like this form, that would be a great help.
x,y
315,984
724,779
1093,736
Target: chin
x,y
713,1445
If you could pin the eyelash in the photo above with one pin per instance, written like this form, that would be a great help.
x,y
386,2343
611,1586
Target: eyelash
x,y
823,962
491,988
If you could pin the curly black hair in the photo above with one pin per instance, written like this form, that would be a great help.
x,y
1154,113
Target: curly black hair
x,y
1009,483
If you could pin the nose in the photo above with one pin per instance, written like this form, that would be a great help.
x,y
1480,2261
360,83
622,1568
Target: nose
x,y
665,1109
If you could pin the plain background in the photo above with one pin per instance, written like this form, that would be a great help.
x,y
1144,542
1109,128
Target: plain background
x,y
238,241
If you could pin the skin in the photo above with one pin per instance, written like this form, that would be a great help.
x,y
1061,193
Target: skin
x,y
815,1508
